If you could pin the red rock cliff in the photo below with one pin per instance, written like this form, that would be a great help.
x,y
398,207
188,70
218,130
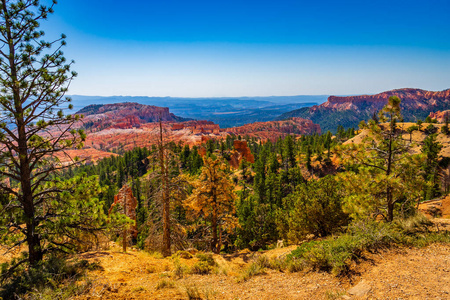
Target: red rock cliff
x,y
411,98
124,115
274,129
441,116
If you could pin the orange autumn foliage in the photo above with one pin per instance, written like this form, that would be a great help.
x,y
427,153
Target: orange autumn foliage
x,y
213,199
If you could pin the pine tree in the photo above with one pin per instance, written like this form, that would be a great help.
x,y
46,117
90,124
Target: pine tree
x,y
164,177
410,130
213,199
289,152
386,173
308,158
314,208
431,149
33,128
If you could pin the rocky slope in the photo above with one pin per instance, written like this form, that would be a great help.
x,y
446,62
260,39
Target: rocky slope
x,y
441,116
417,137
190,133
123,126
274,129
241,151
349,111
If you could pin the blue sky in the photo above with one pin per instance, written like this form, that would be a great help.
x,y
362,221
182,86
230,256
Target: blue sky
x,y
254,48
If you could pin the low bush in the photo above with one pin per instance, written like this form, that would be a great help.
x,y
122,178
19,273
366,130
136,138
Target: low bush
x,y
252,270
178,269
165,284
201,268
205,264
52,278
258,266
206,257
336,253
193,293
182,254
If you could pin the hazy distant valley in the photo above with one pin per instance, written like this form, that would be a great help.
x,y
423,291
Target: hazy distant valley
x,y
328,112
226,112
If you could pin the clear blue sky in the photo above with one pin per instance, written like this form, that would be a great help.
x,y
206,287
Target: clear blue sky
x,y
254,48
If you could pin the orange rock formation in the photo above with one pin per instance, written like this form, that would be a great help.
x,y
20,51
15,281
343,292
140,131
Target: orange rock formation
x,y
440,116
272,130
411,98
123,126
241,151
125,199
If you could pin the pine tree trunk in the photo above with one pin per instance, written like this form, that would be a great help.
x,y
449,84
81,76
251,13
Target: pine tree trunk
x,y
35,253
125,239
390,202
165,196
390,211
214,234
166,220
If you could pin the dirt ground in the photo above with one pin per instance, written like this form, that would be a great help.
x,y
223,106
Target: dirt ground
x,y
395,274
399,273
438,207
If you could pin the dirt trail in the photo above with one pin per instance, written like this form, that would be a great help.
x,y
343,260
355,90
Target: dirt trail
x,y
437,207
395,274
411,274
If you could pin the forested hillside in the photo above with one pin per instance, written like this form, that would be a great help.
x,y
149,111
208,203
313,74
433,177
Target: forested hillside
x,y
349,111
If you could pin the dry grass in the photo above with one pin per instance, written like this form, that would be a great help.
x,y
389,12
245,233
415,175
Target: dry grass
x,y
417,137
140,275
165,284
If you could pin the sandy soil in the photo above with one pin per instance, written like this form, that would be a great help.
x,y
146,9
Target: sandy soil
x,y
417,138
399,273
395,274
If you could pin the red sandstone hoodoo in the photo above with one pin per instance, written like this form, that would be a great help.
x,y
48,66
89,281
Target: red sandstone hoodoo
x,y
241,151
127,204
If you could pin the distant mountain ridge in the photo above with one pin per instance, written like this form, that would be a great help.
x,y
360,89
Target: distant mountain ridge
x,y
349,111
227,112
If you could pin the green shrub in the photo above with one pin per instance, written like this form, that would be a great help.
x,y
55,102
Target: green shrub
x,y
165,284
414,225
430,129
206,257
336,253
252,270
201,268
259,264
295,265
45,279
179,269
263,261
193,293
205,264
182,254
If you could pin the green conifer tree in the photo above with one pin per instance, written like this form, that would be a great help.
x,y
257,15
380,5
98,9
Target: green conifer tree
x,y
34,76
